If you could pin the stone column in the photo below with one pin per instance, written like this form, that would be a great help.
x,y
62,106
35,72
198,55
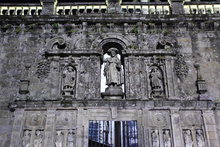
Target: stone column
x,y
176,128
17,130
177,6
48,7
49,128
210,128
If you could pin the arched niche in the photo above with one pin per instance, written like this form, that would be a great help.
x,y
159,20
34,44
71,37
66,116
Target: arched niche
x,y
107,45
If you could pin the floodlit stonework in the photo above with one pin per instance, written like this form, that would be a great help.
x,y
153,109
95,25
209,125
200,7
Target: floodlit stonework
x,y
160,59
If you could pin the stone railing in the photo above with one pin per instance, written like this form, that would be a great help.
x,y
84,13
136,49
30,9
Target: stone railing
x,y
148,8
202,8
21,9
137,8
86,8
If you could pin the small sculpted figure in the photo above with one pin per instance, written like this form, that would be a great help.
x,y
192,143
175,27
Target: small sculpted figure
x,y
38,139
70,139
188,138
156,79
167,138
68,77
200,138
155,138
112,69
59,139
26,139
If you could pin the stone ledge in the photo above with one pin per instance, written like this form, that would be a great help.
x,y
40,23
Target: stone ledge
x,y
125,104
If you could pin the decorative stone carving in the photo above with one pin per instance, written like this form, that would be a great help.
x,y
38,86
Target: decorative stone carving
x,y
159,119
156,82
58,43
35,119
26,139
59,139
113,6
24,87
69,77
190,118
200,138
70,138
65,119
200,83
181,67
38,139
114,73
163,44
155,139
43,69
167,138
187,135
69,80
24,82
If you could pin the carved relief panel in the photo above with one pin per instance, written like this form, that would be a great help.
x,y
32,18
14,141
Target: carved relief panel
x,y
89,77
135,78
192,129
159,133
65,128
33,130
68,76
156,71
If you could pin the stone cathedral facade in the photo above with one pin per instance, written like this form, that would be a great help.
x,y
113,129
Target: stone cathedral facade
x,y
110,73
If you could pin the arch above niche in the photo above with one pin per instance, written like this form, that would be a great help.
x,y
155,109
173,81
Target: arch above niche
x,y
118,41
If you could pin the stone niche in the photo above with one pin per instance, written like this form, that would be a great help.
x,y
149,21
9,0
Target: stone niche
x,y
158,131
65,132
193,131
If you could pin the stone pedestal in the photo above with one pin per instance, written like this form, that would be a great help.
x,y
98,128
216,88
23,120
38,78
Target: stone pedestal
x,y
113,93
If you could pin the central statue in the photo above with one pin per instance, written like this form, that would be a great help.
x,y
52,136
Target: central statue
x,y
112,69
114,73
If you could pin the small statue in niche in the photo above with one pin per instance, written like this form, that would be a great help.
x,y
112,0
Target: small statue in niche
x,y
114,74
112,69
70,139
167,138
200,138
59,139
69,80
26,139
155,138
188,138
38,139
156,81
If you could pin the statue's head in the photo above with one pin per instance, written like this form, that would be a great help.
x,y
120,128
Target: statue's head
x,y
70,68
26,132
59,132
112,52
38,132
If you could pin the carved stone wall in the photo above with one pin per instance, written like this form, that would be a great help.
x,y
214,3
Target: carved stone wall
x,y
161,80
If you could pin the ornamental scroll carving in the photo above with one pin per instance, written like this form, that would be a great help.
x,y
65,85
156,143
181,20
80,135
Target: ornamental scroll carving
x,y
58,43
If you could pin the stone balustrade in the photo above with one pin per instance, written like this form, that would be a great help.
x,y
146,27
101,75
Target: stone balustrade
x,y
201,8
148,8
